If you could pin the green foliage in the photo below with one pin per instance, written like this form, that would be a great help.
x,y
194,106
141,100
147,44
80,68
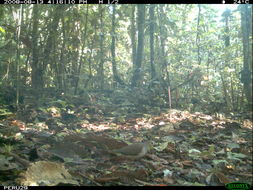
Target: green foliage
x,y
2,30
7,148
4,112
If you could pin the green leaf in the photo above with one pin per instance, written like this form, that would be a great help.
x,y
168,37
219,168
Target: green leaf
x,y
161,147
2,30
233,145
216,162
211,149
5,112
236,156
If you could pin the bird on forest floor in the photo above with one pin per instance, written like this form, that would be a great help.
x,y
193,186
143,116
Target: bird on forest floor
x,y
134,151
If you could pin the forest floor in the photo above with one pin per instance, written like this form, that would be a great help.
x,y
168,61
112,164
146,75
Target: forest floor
x,y
67,141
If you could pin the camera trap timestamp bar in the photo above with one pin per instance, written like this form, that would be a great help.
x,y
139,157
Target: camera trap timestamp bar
x,y
61,1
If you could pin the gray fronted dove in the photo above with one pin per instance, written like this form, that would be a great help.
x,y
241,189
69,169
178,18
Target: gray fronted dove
x,y
134,151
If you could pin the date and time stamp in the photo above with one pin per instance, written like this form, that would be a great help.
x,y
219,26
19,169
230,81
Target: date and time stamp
x,y
96,1
59,1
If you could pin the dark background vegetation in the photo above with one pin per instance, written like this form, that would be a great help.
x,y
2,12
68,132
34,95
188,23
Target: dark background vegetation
x,y
178,75
204,58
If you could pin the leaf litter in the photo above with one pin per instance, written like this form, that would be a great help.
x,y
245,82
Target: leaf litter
x,y
70,143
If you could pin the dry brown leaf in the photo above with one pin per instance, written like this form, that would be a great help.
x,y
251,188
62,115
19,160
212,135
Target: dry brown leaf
x,y
106,179
222,178
46,174
187,163
168,180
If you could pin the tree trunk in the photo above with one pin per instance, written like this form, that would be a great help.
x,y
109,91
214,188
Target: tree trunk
x,y
151,28
18,56
116,77
164,73
37,82
198,36
101,64
246,73
52,30
80,58
60,72
133,34
139,57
